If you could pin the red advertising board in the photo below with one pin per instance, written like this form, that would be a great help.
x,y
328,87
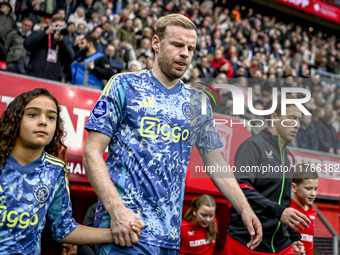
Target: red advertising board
x,y
315,7
77,103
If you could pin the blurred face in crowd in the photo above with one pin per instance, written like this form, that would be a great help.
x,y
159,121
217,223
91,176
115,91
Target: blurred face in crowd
x,y
218,55
195,73
110,51
103,19
80,11
204,62
306,119
293,117
149,64
257,90
97,32
81,29
133,68
88,2
129,23
4,8
27,26
71,28
106,26
175,50
62,13
116,18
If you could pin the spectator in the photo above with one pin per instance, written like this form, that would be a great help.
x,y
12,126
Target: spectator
x,y
67,5
205,68
14,44
81,29
88,5
254,65
124,52
127,34
49,51
92,68
94,22
107,34
149,64
218,60
115,25
96,34
134,66
41,25
116,64
6,20
33,11
71,29
61,12
145,48
328,138
78,17
307,136
100,7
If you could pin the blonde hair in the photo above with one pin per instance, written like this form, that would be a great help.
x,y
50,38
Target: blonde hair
x,y
199,201
177,20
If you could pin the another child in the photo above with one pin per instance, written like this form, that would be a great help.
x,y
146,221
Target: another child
x,y
199,227
33,180
305,185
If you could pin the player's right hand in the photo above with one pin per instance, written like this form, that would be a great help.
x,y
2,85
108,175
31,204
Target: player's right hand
x,y
293,219
121,230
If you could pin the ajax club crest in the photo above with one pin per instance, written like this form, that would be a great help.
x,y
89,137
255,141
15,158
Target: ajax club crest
x,y
41,193
188,110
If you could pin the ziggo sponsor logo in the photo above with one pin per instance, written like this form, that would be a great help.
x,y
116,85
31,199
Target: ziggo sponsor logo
x,y
147,130
13,217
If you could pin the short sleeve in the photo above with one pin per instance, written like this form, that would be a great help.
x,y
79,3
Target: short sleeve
x,y
108,111
59,213
208,137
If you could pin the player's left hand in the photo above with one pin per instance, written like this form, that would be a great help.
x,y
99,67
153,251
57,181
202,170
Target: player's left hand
x,y
254,227
299,248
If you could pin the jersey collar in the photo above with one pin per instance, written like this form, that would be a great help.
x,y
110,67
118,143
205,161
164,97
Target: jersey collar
x,y
26,168
159,85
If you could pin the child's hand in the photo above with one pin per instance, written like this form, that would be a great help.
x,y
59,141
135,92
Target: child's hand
x,y
137,226
298,248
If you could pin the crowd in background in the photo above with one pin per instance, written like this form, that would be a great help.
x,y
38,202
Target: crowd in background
x,y
234,46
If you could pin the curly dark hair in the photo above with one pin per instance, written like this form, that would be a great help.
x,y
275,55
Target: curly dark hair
x,y
10,126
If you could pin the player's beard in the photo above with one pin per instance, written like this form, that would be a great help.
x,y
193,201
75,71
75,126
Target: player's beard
x,y
83,51
165,64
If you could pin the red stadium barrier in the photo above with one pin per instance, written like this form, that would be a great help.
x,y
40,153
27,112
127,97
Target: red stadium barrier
x,y
315,7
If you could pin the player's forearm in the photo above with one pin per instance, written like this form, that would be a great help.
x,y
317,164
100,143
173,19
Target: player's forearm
x,y
88,235
100,179
230,189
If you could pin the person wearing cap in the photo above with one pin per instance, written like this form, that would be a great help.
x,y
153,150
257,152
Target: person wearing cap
x,y
6,20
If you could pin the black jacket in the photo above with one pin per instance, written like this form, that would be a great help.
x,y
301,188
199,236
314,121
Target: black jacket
x,y
37,45
268,193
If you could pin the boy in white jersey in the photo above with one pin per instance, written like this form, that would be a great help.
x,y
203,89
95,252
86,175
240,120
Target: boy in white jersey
x,y
151,120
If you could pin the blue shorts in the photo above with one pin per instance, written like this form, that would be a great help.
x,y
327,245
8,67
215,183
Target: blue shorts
x,y
136,249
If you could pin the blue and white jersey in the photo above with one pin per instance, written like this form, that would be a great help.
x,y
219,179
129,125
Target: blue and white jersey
x,y
153,131
27,194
